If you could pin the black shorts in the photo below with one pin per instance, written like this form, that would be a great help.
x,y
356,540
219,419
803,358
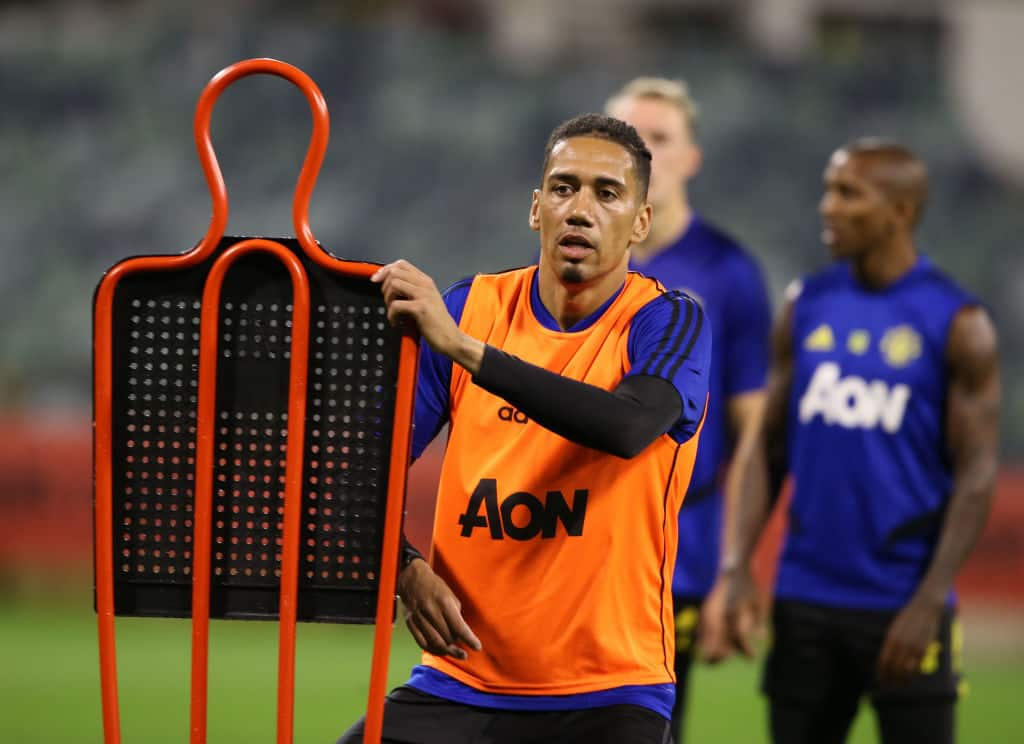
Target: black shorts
x,y
816,648
413,717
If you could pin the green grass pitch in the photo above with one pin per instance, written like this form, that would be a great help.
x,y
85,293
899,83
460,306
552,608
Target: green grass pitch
x,y
49,684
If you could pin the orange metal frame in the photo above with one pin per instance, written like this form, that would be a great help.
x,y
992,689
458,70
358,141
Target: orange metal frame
x,y
103,435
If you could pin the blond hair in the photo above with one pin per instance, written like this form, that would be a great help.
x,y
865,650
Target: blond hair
x,y
674,92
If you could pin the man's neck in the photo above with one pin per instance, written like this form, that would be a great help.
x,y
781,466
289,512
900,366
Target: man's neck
x,y
669,224
885,265
570,303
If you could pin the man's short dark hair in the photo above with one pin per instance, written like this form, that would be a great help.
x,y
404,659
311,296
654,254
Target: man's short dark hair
x,y
612,129
894,167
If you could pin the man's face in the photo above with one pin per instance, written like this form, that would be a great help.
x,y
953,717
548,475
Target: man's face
x,y
675,158
856,212
588,210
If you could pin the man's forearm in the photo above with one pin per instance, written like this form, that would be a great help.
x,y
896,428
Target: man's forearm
x,y
621,422
464,350
748,506
745,412
965,518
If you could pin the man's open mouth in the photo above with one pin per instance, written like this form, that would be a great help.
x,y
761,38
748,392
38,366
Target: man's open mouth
x,y
575,245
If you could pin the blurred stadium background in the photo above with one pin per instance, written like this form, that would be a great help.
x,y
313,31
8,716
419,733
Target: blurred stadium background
x,y
440,111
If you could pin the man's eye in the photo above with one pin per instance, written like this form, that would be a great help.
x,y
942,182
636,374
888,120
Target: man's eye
x,y
563,189
607,194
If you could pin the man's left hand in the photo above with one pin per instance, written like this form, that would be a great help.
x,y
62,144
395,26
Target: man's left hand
x,y
712,636
913,629
411,294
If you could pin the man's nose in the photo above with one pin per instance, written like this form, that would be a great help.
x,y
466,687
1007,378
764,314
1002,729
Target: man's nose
x,y
580,215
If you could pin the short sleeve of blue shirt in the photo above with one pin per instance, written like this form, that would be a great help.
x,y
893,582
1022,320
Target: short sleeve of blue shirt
x,y
434,378
670,337
748,318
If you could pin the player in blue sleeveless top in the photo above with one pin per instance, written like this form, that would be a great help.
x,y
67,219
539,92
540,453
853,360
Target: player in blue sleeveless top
x,y
883,399
684,252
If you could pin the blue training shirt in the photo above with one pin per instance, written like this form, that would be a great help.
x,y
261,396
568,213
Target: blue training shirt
x,y
659,319
726,280
866,436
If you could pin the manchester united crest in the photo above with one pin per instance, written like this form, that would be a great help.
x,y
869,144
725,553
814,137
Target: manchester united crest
x,y
901,345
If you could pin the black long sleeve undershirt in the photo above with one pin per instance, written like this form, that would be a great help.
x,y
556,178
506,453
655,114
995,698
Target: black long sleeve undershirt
x,y
621,422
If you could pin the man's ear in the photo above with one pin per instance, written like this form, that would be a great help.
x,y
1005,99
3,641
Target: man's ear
x,y
641,224
535,211
906,212
695,159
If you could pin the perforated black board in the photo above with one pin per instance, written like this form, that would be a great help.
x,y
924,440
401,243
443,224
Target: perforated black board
x,y
353,362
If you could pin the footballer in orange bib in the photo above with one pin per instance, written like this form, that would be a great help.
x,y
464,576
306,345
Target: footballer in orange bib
x,y
562,556
574,392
